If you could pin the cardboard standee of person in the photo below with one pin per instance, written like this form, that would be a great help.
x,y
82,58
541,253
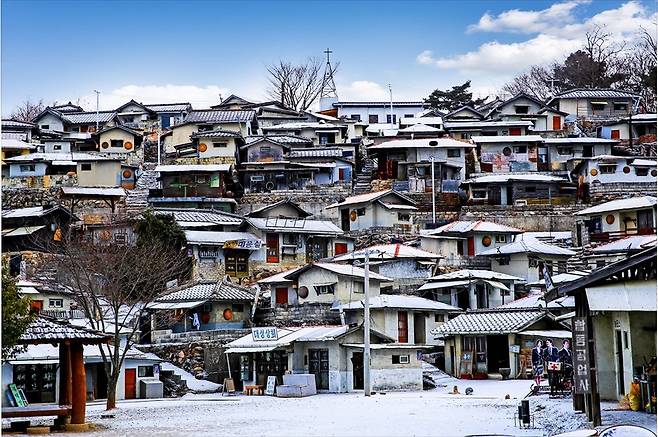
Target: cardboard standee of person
x,y
271,384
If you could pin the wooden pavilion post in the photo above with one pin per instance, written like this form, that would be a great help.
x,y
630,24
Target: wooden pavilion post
x,y
79,383
65,380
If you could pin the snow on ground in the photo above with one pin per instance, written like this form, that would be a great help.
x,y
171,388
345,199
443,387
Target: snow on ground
x,y
196,385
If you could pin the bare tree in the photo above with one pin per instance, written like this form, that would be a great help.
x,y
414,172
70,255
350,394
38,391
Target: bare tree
x,y
297,86
536,82
28,110
113,284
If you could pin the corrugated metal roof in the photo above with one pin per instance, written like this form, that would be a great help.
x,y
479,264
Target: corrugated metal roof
x,y
15,144
595,93
209,291
35,211
85,191
474,274
401,301
294,225
634,242
183,216
421,143
218,237
47,330
88,117
192,167
169,107
537,300
623,296
507,139
528,246
74,156
620,205
316,153
489,322
512,177
20,232
463,227
388,252
218,116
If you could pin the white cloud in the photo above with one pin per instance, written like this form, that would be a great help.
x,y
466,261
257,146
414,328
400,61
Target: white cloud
x,y
557,33
518,21
363,90
199,97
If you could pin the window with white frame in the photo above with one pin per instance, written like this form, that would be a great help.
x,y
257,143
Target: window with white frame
x,y
208,252
454,153
608,168
56,303
501,238
325,289
27,167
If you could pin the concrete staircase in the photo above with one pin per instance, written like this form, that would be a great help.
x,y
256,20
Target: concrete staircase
x,y
364,177
137,198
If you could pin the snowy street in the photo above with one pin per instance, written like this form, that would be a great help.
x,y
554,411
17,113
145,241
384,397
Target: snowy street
x,y
433,412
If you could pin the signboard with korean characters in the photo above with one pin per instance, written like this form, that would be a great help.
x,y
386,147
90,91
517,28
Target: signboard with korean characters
x,y
248,244
264,333
581,372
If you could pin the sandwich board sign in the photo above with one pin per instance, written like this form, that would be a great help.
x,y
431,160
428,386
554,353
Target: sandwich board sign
x,y
271,383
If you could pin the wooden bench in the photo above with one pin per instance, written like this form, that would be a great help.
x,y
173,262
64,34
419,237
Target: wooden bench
x,y
250,389
36,411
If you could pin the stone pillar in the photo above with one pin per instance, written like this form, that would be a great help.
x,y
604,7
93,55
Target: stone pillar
x,y
79,383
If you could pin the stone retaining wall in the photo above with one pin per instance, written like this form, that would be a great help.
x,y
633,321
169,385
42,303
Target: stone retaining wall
x,y
297,315
539,218
600,193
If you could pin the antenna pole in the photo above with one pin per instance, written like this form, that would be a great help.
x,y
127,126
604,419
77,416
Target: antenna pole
x,y
390,93
98,93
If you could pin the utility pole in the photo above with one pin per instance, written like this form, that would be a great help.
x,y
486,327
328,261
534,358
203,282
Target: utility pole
x,y
366,324
158,133
433,193
98,94
390,93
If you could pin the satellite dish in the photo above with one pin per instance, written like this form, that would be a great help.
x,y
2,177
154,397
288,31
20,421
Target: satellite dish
x,y
303,292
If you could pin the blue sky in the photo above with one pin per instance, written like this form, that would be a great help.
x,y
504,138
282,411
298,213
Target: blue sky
x,y
194,50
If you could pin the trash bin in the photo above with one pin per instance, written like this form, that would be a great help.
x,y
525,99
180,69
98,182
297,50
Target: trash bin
x,y
150,388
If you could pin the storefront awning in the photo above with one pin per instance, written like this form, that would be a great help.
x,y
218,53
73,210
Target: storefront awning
x,y
623,296
175,305
496,284
549,333
244,350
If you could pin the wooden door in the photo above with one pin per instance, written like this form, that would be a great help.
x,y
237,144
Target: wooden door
x,y
516,131
341,174
340,248
614,134
36,306
403,327
318,365
357,370
272,248
645,222
471,246
131,383
281,295
557,122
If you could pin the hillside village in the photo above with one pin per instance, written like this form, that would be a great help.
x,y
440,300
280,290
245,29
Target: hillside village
x,y
474,232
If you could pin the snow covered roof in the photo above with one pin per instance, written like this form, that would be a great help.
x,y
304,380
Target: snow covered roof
x,y
512,177
35,211
49,157
528,246
419,128
370,197
402,301
620,205
507,139
491,321
408,121
295,225
464,227
388,252
15,144
643,162
209,291
286,336
304,125
483,124
623,296
200,217
579,140
340,269
562,278
630,243
178,168
279,277
49,354
537,300
48,330
219,237
474,274
421,144
94,191
595,93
